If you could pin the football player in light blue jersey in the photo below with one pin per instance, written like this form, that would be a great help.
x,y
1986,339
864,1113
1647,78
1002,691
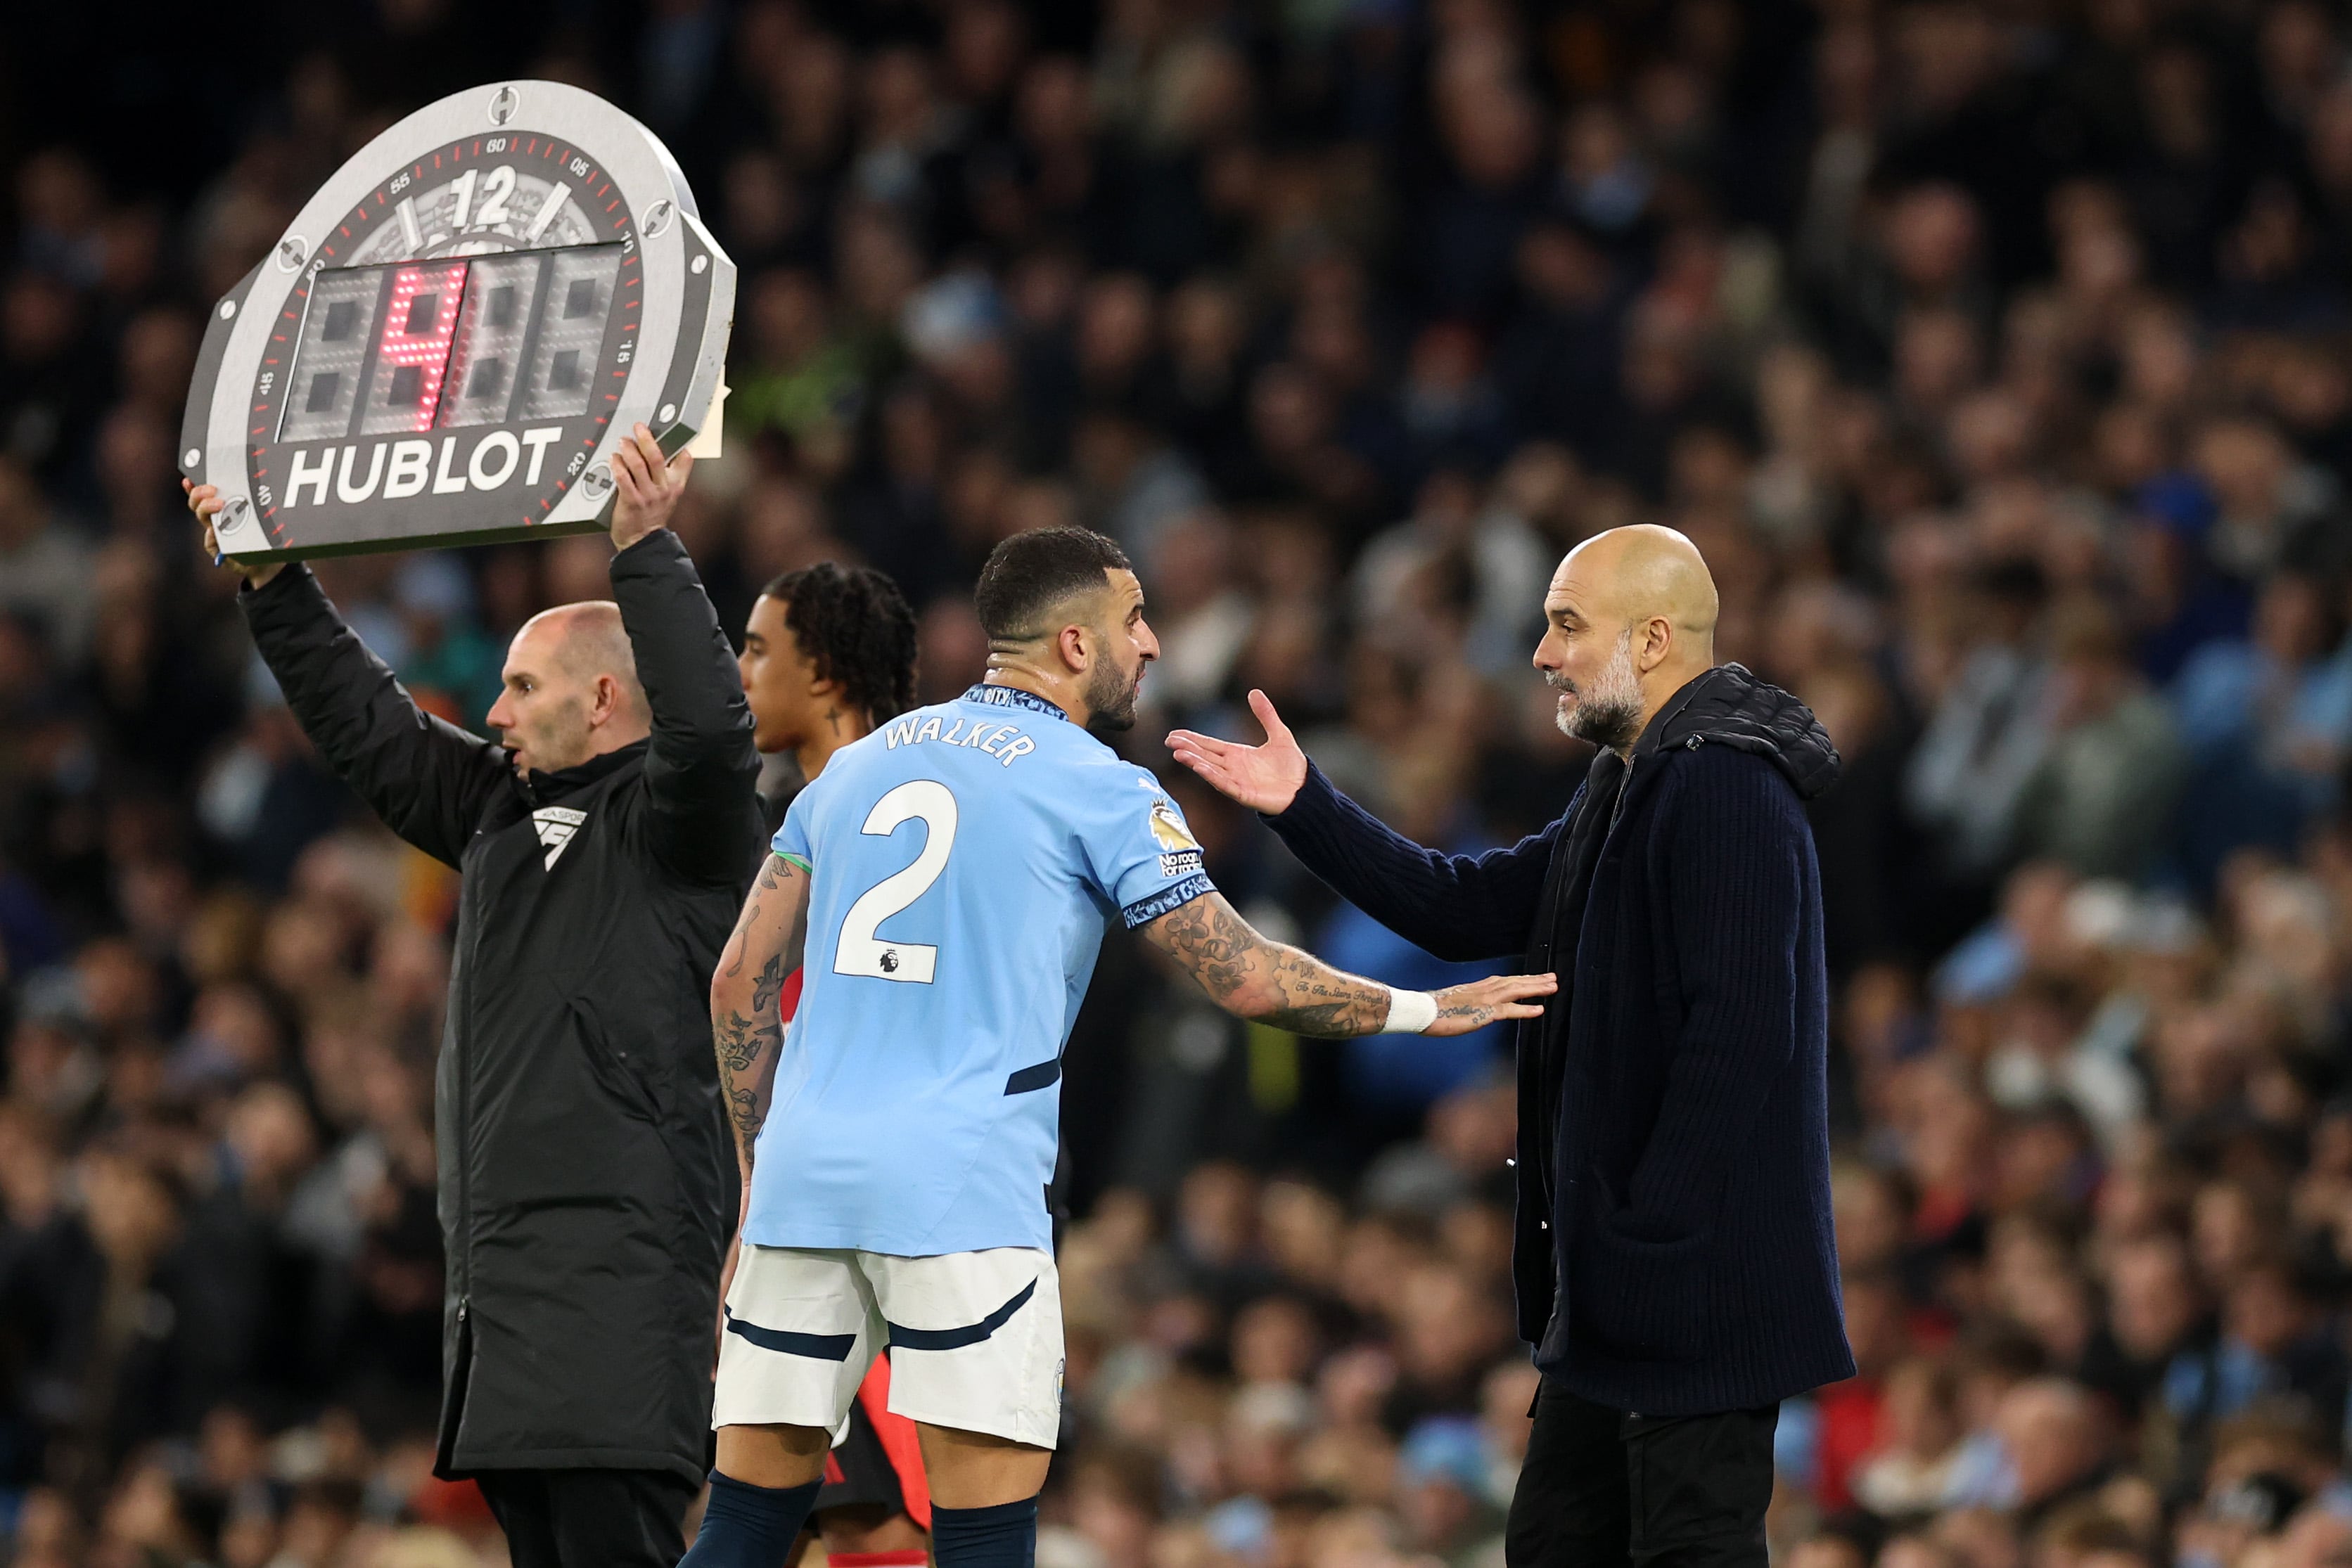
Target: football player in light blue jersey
x,y
944,886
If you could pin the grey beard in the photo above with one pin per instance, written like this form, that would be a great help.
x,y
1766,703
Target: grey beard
x,y
1609,715
1110,701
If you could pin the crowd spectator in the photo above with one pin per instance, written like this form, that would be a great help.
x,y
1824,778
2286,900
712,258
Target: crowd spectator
x,y
1997,355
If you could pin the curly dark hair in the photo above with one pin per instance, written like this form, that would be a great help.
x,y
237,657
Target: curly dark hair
x,y
859,630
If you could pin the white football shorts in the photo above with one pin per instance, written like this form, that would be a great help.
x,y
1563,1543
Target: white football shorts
x,y
975,1339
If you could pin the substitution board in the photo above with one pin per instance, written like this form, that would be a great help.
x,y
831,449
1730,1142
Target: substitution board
x,y
458,327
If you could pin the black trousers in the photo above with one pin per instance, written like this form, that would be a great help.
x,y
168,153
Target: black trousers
x,y
1607,1488
591,1518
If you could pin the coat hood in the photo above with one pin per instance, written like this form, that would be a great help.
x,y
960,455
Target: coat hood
x,y
1729,706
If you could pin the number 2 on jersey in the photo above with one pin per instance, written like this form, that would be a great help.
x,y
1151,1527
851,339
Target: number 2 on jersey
x,y
859,951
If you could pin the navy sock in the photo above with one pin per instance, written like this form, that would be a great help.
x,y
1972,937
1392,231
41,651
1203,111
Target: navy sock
x,y
1004,1536
746,1526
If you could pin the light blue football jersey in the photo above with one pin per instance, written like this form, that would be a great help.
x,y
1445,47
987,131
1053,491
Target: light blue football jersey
x,y
963,862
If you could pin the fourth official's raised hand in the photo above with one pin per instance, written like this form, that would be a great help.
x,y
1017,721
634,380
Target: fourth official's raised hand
x,y
205,501
649,486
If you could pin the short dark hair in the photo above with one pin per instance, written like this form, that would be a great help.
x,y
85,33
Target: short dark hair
x,y
1031,572
857,628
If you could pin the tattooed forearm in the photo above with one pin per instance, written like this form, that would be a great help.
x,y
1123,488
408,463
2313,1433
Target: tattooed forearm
x,y
1263,980
743,1041
1319,999
769,985
747,1028
745,1112
746,1066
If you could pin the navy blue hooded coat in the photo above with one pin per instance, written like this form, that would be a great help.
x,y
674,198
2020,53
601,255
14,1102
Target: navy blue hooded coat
x,y
1674,1251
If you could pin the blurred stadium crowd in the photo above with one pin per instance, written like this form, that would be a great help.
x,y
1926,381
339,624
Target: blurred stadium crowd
x,y
1997,353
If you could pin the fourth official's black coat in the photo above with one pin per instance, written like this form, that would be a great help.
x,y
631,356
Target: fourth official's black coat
x,y
587,1184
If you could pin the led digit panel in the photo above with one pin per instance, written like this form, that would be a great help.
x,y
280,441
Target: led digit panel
x,y
337,332
479,317
411,349
576,302
385,349
503,301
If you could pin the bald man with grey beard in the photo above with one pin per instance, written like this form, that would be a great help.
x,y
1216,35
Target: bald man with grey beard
x,y
1675,1268
587,1180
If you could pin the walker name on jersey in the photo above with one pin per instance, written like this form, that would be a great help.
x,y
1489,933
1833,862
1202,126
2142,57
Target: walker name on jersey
x,y
395,470
1003,741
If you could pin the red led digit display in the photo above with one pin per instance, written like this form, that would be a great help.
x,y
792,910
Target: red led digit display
x,y
420,323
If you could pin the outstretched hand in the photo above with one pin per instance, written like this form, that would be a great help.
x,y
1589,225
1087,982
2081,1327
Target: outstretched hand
x,y
1462,1009
205,501
1263,778
649,486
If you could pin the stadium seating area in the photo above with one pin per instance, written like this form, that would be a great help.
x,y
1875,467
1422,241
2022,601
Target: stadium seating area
x,y
1997,353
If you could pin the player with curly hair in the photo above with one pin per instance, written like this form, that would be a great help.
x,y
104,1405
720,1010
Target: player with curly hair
x,y
829,655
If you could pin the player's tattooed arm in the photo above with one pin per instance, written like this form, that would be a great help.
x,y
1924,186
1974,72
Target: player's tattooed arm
x,y
746,1026
1268,982
1245,972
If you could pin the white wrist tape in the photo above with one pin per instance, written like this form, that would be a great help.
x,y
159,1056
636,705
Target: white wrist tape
x,y
1410,1012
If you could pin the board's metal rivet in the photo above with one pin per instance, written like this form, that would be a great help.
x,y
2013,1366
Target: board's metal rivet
x,y
228,309
658,217
292,251
669,411
701,263
193,458
503,104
